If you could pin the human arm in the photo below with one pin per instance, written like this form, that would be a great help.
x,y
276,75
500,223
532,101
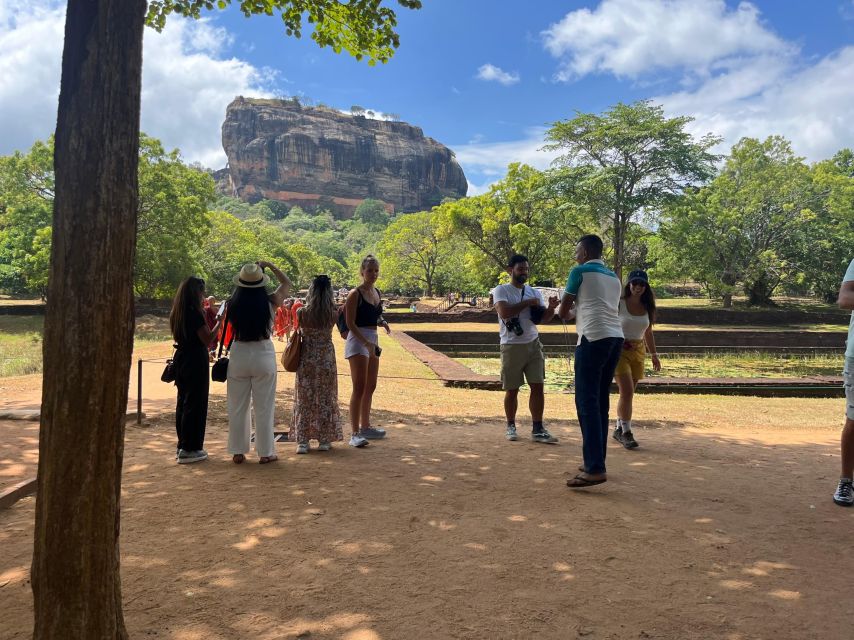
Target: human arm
x,y
285,284
206,334
384,324
846,295
649,338
566,311
549,313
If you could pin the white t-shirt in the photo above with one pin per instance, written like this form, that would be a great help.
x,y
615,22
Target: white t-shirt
x,y
513,295
633,326
849,345
597,293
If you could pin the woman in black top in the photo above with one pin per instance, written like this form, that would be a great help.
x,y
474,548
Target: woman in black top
x,y
192,336
363,312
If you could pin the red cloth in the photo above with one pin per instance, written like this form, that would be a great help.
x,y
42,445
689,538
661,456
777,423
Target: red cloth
x,y
282,321
210,320
294,316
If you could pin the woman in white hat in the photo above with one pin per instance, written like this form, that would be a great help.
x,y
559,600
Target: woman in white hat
x,y
252,364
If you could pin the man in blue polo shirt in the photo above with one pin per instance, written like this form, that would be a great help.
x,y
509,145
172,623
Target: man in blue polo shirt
x,y
592,297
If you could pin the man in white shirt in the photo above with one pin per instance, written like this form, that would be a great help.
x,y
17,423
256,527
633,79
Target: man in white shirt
x,y
521,351
844,495
594,290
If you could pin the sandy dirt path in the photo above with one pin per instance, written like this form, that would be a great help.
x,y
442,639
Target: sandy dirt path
x,y
445,530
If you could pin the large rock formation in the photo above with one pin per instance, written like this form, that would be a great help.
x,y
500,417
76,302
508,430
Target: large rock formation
x,y
319,157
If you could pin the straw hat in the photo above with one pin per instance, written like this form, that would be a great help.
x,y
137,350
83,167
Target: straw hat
x,y
251,276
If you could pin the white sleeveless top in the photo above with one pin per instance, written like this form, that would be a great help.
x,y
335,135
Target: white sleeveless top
x,y
633,326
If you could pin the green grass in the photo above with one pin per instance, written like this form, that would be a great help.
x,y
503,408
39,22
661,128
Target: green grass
x,y
21,341
726,365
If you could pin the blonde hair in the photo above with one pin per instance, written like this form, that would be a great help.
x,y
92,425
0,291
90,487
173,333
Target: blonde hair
x,y
369,259
319,310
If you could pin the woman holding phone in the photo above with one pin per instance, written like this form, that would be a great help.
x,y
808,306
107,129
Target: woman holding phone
x,y
363,312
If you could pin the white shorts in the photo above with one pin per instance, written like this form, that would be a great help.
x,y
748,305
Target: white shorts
x,y
353,347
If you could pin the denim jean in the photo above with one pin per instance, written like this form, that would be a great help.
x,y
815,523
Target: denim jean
x,y
594,370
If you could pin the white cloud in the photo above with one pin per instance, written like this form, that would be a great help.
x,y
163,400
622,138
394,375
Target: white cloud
x,y
490,73
736,77
813,106
489,160
633,37
187,80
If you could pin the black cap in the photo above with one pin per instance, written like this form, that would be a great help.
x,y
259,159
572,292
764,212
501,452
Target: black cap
x,y
638,274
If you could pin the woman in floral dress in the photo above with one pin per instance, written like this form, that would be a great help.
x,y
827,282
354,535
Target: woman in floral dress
x,y
316,414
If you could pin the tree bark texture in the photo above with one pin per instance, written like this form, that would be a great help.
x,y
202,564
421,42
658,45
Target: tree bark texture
x,y
88,336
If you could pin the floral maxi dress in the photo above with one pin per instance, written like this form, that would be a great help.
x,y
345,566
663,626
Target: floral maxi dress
x,y
316,414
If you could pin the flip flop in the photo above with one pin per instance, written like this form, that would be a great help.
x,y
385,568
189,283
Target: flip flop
x,y
266,459
237,458
579,482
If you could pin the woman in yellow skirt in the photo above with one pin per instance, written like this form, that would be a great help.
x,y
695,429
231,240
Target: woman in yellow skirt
x,y
637,315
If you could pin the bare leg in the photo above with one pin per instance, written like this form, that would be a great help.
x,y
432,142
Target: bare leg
x,y
626,387
511,402
373,369
848,449
537,401
359,375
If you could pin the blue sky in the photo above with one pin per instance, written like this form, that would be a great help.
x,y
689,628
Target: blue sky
x,y
483,77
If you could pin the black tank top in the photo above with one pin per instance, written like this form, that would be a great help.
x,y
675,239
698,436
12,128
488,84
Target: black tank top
x,y
367,315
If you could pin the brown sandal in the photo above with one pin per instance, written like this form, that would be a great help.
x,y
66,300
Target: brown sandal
x,y
267,459
237,458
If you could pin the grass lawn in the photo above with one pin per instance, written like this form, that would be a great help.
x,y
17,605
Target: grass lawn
x,y
728,365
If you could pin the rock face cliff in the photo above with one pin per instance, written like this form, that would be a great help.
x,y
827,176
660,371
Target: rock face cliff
x,y
318,157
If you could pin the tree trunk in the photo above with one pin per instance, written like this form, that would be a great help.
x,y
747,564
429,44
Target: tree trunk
x,y
89,324
759,293
619,248
727,300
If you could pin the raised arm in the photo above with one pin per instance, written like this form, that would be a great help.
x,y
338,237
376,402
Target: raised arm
x,y
205,334
285,284
507,310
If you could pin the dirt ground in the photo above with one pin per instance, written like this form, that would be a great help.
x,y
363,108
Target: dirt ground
x,y
445,530
720,526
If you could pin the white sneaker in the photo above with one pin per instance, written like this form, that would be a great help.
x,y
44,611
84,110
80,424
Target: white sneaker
x,y
324,446
358,441
511,433
302,447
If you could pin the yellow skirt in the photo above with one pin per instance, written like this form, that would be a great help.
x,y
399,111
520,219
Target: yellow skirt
x,y
632,359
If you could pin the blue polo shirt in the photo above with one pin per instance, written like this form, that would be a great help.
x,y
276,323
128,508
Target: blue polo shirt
x,y
597,292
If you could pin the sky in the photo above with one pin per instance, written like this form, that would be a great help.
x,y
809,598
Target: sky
x,y
484,77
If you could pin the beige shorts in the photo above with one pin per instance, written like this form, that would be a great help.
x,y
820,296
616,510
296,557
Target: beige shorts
x,y
848,376
520,362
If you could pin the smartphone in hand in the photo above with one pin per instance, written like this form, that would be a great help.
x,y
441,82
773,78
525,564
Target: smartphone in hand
x,y
378,351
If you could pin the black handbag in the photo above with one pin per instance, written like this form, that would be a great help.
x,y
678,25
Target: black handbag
x,y
219,370
168,374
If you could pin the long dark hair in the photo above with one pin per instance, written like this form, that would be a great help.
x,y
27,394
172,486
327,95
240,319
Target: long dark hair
x,y
249,313
188,300
647,299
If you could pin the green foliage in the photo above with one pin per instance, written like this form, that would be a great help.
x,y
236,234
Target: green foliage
x,y
746,228
372,211
827,244
26,212
172,222
627,160
363,28
417,253
523,213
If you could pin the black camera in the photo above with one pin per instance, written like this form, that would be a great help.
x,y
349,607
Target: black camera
x,y
515,326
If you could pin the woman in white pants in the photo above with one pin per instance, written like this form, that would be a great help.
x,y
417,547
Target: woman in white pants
x,y
252,362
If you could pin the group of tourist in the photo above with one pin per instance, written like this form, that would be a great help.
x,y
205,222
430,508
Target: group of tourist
x,y
245,324
614,327
613,323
